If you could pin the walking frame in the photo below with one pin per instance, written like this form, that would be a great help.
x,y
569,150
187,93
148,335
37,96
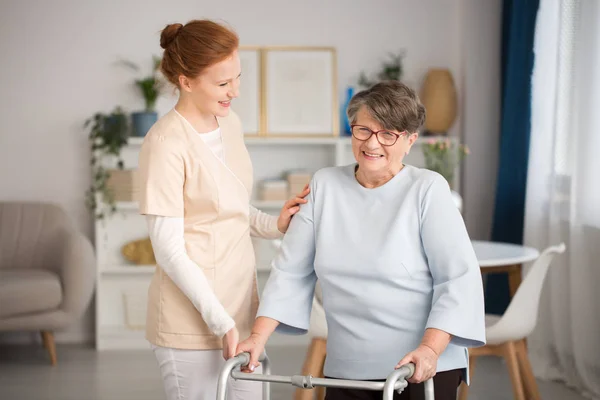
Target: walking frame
x,y
396,381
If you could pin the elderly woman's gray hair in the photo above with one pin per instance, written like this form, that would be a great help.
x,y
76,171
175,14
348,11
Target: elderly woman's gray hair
x,y
392,104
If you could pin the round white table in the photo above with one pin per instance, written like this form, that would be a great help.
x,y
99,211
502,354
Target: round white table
x,y
496,257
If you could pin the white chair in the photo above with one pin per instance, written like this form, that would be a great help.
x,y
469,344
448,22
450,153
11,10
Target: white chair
x,y
505,335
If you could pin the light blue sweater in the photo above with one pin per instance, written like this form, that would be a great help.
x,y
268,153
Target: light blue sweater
x,y
391,261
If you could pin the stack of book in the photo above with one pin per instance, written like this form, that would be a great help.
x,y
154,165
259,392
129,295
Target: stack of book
x,y
297,180
274,190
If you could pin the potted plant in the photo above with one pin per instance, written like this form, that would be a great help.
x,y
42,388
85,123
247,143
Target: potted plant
x,y
391,70
444,156
108,134
150,88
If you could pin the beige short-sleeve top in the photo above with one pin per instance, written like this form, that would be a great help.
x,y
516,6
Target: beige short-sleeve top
x,y
181,177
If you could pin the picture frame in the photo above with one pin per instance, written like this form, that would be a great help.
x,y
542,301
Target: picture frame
x,y
299,96
248,106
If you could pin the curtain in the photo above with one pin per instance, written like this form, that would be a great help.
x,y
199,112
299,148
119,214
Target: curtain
x,y
563,191
518,28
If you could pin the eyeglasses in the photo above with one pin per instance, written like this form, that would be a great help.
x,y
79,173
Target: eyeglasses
x,y
384,137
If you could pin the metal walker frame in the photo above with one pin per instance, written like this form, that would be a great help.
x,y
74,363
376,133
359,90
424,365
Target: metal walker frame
x,y
395,382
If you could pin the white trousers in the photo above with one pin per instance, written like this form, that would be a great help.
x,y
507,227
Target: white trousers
x,y
193,375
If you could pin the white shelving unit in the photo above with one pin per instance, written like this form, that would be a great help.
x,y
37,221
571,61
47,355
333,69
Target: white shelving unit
x,y
122,287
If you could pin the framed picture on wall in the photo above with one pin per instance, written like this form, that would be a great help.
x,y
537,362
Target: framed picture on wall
x,y
300,91
248,105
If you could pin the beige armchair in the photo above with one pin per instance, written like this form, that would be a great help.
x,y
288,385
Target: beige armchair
x,y
47,270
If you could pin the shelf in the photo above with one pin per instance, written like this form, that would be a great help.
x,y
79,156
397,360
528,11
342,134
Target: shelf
x,y
133,206
120,338
258,140
261,140
128,270
347,141
425,139
268,204
115,330
278,141
127,205
135,141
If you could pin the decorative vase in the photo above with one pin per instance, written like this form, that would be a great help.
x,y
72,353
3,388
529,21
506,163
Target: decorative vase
x,y
347,131
142,122
439,98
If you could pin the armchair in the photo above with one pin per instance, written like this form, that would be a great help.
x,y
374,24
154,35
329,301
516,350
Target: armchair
x,y
47,270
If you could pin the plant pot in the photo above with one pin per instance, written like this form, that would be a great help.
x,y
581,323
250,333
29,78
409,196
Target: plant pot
x,y
142,122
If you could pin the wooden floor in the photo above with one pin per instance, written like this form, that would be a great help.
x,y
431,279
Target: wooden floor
x,y
84,374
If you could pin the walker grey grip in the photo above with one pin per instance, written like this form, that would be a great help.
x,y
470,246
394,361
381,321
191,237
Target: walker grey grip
x,y
411,367
396,381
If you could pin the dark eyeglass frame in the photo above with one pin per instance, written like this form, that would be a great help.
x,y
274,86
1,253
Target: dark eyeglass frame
x,y
376,133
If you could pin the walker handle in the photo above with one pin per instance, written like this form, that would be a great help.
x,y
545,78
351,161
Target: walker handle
x,y
396,381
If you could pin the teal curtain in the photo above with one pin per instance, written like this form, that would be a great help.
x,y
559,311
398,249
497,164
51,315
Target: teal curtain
x,y
518,31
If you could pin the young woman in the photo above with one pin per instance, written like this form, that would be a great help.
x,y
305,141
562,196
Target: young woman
x,y
196,182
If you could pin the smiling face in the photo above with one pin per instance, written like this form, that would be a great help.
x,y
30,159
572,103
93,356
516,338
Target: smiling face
x,y
372,157
394,110
212,91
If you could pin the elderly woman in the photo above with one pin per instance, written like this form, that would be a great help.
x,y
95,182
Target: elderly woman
x,y
399,277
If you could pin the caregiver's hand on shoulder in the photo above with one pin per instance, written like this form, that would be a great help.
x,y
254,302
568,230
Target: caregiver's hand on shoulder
x,y
291,207
230,343
425,361
254,345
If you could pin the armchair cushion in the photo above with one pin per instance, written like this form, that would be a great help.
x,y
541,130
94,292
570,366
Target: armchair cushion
x,y
26,291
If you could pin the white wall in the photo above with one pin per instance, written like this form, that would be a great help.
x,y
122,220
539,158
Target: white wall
x,y
480,80
58,70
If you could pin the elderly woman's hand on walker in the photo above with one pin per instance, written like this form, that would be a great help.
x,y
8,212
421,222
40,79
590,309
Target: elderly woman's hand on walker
x,y
255,343
425,357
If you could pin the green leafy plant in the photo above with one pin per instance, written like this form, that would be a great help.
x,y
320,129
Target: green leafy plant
x,y
443,156
149,86
392,69
108,134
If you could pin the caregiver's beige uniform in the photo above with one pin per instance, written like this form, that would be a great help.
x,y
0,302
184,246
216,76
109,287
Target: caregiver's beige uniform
x,y
181,177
